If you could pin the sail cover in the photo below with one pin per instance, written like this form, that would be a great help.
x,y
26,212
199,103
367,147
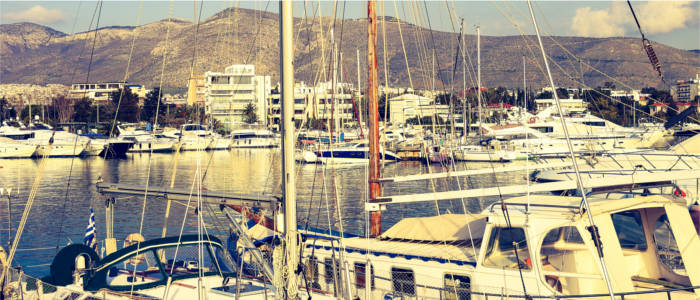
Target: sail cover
x,y
443,228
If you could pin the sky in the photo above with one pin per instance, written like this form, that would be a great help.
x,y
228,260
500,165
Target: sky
x,y
675,23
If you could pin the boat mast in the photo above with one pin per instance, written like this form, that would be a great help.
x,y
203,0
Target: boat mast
x,y
375,214
464,88
478,73
359,91
291,256
524,89
593,229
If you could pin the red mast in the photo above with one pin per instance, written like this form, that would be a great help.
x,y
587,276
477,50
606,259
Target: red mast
x,y
375,216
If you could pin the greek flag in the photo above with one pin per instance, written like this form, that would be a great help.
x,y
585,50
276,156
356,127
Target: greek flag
x,y
90,238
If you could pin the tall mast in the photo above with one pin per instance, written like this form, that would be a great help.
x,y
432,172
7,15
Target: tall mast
x,y
375,215
288,174
464,88
359,91
524,88
478,72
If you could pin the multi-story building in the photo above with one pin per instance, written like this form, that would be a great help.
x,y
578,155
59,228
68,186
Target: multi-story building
x,y
570,105
228,94
686,90
97,92
100,92
317,103
196,90
407,106
302,94
635,95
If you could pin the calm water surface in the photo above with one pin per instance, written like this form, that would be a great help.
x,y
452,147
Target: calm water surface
x,y
67,190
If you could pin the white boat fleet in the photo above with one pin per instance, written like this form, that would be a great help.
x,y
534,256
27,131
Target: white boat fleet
x,y
38,139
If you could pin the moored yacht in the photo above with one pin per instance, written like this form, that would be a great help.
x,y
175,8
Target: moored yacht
x,y
10,148
253,138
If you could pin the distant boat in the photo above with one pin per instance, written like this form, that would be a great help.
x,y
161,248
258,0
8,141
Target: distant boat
x,y
253,138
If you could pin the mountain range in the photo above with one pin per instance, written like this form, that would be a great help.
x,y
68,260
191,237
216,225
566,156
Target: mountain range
x,y
32,53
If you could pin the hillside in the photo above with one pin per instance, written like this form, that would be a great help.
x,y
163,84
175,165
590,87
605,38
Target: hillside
x,y
37,54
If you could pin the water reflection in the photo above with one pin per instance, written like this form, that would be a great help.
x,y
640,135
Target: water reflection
x,y
67,190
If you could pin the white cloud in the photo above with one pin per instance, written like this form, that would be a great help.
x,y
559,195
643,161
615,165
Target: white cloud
x,y
599,23
664,16
654,16
37,14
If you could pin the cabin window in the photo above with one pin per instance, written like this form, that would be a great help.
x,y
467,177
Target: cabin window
x,y
330,271
568,264
456,287
135,270
502,247
666,246
630,232
360,273
404,281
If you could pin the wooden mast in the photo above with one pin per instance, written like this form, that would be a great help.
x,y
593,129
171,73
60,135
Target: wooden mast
x,y
375,215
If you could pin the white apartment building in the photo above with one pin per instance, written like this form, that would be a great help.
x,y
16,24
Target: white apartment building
x,y
407,106
570,105
97,92
228,93
686,90
319,102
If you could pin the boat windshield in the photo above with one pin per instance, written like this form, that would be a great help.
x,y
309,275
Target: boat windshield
x,y
151,266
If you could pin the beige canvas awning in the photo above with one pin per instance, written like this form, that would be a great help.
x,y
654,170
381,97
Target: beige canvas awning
x,y
447,228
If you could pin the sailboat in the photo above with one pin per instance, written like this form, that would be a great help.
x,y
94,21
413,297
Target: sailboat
x,y
628,237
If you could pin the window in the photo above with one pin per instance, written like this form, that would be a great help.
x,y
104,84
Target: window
x,y
666,246
360,271
241,80
329,271
456,287
404,281
502,247
137,270
219,79
630,232
568,264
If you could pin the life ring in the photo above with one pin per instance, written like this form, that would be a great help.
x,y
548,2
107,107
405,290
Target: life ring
x,y
533,119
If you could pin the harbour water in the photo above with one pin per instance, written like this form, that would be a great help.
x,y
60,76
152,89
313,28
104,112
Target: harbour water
x,y
67,190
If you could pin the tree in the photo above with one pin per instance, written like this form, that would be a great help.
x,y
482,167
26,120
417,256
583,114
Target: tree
x,y
126,105
63,107
82,110
152,104
250,115
4,108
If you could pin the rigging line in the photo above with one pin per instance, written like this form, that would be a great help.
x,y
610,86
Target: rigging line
x,y
155,123
27,209
403,46
565,72
593,228
70,172
550,36
126,72
386,87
